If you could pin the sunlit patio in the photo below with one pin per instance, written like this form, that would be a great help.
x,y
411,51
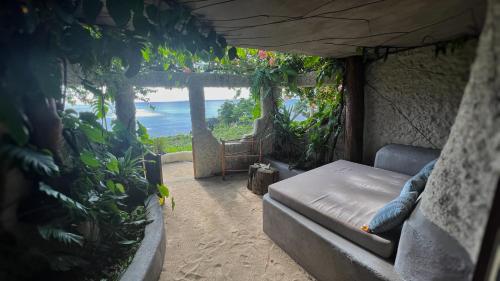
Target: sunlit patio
x,y
215,232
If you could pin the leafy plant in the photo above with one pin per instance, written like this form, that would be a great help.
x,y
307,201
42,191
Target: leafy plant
x,y
30,160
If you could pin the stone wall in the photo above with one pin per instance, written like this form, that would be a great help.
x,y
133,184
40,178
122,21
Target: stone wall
x,y
412,98
206,148
443,237
207,152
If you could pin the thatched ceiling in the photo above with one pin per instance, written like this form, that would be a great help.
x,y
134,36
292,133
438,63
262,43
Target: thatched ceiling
x,y
338,27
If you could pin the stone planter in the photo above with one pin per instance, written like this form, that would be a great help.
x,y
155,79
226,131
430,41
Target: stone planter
x,y
148,260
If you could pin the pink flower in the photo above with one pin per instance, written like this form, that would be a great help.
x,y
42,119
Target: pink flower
x,y
187,70
262,54
271,61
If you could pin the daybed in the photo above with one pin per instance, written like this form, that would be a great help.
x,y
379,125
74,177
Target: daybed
x,y
316,216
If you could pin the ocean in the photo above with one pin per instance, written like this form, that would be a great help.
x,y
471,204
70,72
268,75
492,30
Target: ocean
x,y
165,118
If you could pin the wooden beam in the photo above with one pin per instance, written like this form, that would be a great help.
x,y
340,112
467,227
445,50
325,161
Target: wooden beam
x,y
355,107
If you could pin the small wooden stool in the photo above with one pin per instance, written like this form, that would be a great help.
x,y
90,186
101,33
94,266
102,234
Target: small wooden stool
x,y
260,176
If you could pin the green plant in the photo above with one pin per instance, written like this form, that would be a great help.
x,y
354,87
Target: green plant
x,y
236,112
92,206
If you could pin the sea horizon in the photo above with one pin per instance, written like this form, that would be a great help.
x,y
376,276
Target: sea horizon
x,y
164,118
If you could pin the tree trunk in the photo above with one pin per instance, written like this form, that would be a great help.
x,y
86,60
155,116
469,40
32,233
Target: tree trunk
x,y
251,173
46,126
125,106
263,178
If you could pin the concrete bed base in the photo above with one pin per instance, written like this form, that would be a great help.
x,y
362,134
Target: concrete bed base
x,y
148,260
319,251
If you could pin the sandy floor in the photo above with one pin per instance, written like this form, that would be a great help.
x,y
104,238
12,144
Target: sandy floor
x,y
215,232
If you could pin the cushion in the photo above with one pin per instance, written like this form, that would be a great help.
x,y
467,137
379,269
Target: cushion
x,y
342,196
405,159
395,212
418,181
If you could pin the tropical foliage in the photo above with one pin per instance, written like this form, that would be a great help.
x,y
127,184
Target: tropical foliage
x,y
73,187
307,143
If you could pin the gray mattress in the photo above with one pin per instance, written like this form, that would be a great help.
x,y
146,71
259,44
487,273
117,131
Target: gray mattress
x,y
342,196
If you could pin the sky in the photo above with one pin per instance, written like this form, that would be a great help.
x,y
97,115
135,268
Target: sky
x,y
181,94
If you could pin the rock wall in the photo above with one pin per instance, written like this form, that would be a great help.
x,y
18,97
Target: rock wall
x,y
206,148
458,197
412,98
460,190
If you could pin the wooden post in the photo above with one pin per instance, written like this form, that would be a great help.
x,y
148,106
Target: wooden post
x,y
355,107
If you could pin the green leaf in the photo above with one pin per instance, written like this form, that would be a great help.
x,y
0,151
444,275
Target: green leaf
x,y
163,190
146,54
119,11
111,186
113,166
29,159
65,200
120,187
89,159
232,53
93,134
91,9
49,232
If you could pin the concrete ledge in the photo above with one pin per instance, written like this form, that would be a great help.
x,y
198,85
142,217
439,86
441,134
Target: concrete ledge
x,y
180,156
148,260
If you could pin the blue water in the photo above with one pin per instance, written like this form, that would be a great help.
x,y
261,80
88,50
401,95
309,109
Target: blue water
x,y
165,118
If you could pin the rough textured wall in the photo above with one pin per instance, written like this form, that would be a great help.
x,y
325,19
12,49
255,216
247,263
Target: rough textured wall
x,y
412,98
206,148
263,127
460,190
443,236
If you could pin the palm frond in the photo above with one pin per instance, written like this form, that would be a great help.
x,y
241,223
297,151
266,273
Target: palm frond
x,y
68,202
29,159
50,232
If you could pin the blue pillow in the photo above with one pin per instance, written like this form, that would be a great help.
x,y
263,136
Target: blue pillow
x,y
418,181
395,212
